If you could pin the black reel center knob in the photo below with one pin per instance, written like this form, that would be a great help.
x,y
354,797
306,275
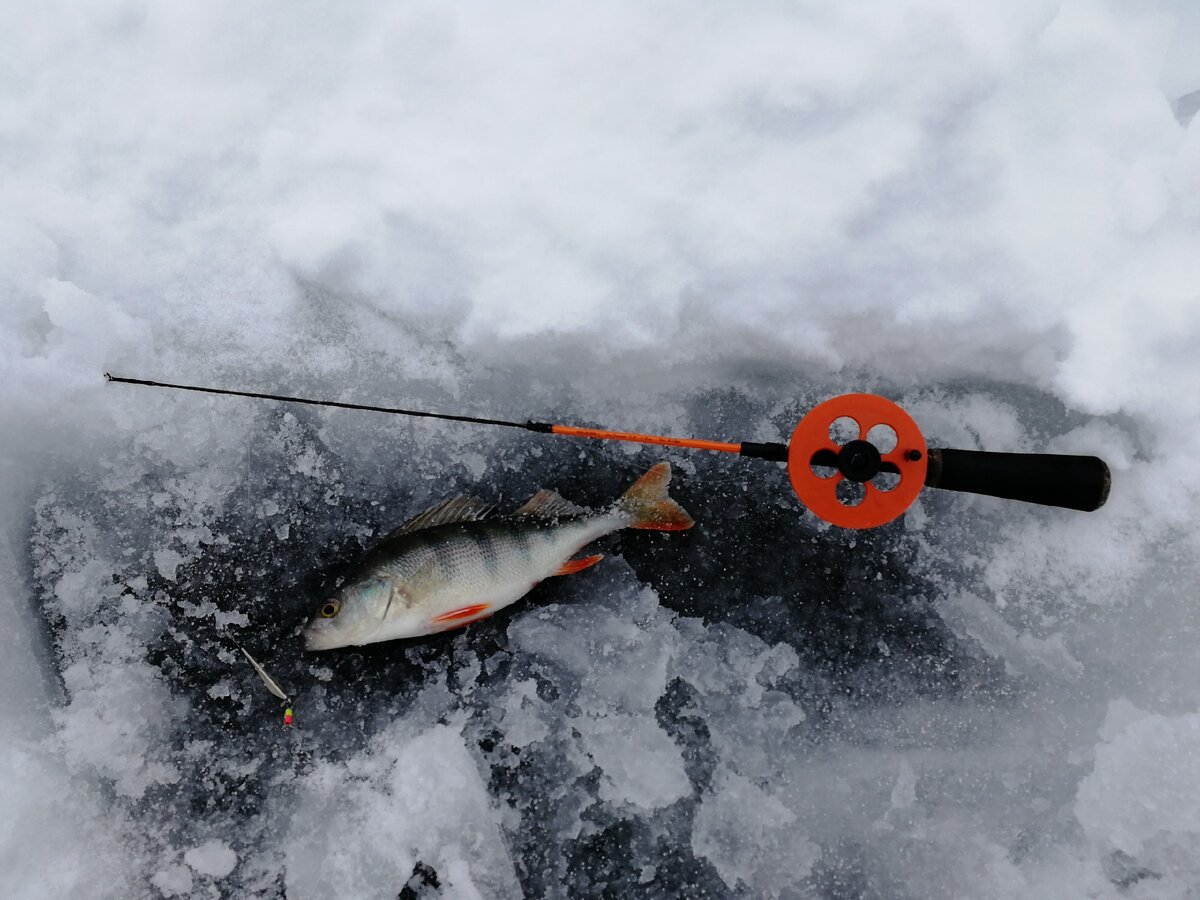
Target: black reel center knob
x,y
859,461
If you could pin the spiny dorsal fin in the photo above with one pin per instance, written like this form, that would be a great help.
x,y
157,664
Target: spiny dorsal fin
x,y
456,509
549,505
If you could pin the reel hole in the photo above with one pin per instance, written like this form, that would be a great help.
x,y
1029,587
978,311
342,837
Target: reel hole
x,y
886,481
850,493
824,463
843,430
883,437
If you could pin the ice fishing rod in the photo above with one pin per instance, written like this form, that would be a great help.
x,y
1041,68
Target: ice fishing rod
x,y
818,460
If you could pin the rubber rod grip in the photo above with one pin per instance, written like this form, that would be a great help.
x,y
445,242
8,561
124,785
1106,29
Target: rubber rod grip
x,y
1072,482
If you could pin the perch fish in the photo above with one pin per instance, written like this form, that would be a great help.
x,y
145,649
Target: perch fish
x,y
455,563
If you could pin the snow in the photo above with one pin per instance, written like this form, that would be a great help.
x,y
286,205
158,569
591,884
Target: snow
x,y
692,220
1146,812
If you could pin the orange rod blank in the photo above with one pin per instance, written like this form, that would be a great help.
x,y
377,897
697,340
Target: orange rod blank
x,y
635,438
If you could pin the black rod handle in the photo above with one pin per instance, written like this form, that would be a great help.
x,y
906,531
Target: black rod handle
x,y
773,452
1072,482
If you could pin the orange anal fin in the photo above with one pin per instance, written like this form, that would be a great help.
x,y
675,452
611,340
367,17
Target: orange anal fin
x,y
571,566
463,614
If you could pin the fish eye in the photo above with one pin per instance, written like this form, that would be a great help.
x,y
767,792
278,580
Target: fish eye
x,y
330,608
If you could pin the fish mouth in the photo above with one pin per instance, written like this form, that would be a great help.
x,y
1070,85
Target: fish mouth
x,y
318,639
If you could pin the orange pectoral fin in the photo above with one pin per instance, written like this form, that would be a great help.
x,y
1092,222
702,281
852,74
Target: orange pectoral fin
x,y
463,615
571,566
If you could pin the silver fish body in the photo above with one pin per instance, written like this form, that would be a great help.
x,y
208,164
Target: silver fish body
x,y
432,575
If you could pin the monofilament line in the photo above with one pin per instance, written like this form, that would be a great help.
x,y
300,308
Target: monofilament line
x,y
255,395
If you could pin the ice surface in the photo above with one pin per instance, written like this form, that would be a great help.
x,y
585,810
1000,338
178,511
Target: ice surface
x,y
694,220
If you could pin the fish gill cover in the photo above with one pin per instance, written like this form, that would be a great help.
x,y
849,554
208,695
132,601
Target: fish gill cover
x,y
673,219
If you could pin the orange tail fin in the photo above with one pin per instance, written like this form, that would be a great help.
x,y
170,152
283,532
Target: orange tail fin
x,y
647,505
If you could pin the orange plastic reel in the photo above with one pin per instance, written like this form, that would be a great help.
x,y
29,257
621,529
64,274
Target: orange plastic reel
x,y
878,507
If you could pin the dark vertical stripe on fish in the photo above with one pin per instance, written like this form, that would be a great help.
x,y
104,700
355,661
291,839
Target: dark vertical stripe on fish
x,y
546,538
525,544
447,553
421,549
416,542
491,553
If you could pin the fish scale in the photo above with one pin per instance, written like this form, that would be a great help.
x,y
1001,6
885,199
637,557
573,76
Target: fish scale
x,y
450,566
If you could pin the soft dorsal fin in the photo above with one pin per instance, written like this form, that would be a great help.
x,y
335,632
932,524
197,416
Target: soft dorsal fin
x,y
549,505
456,509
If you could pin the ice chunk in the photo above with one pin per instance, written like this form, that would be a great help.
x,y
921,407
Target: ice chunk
x,y
522,723
752,838
168,561
639,763
618,646
101,728
415,797
173,880
213,858
737,677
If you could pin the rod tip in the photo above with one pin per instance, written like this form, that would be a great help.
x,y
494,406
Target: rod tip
x,y
107,377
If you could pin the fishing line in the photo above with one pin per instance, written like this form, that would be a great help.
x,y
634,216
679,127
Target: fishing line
x,y
255,395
